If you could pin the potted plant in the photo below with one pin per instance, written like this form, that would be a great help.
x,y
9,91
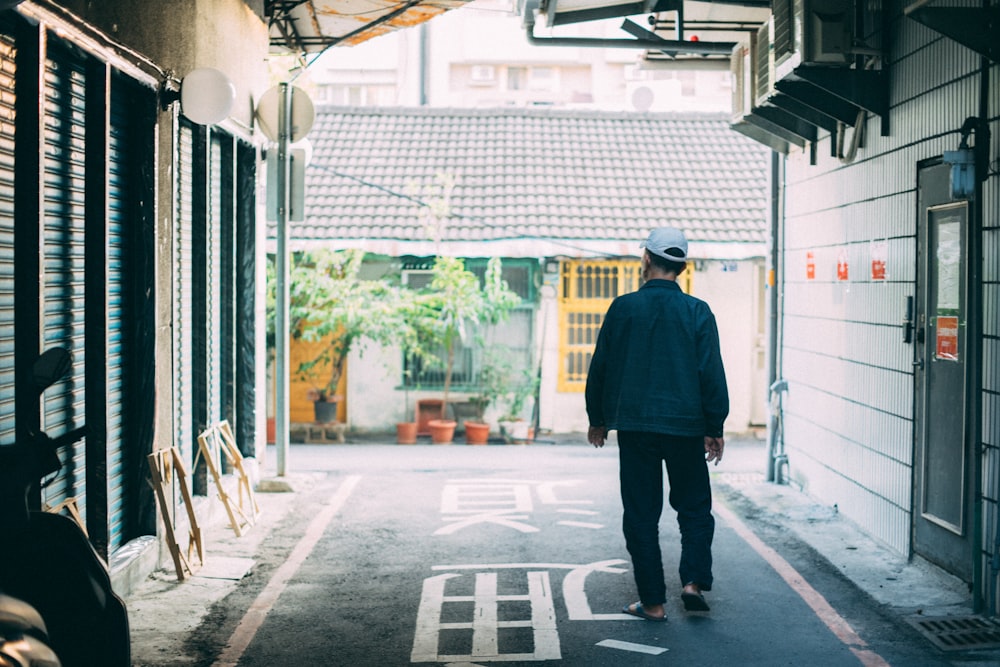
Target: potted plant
x,y
456,300
491,387
406,428
477,431
332,306
508,386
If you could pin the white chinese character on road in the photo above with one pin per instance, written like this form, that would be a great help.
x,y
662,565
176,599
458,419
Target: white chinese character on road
x,y
485,624
504,502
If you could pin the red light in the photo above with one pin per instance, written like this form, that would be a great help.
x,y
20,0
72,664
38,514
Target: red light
x,y
694,38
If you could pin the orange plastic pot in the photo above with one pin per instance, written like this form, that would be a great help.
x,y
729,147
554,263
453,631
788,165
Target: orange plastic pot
x,y
442,430
406,433
476,433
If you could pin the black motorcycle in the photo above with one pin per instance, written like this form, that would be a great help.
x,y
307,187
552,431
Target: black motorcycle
x,y
56,602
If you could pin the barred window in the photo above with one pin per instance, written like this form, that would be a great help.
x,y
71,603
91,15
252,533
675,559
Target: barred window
x,y
586,289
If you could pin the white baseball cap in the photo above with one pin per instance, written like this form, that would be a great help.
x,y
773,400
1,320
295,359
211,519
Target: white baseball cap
x,y
668,243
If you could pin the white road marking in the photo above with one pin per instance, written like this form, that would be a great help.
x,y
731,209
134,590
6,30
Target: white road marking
x,y
581,524
457,498
629,646
547,493
603,566
503,502
570,510
254,618
574,593
499,517
485,624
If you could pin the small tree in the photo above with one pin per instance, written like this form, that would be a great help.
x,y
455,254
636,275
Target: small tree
x,y
330,302
455,300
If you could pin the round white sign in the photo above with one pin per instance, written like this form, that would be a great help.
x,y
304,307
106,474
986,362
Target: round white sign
x,y
303,114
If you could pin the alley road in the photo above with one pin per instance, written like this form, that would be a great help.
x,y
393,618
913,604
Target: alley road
x,y
479,555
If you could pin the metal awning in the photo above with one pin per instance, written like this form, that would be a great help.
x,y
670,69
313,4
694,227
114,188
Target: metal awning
x,y
311,26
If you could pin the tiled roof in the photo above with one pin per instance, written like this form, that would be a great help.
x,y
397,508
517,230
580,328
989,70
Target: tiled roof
x,y
532,182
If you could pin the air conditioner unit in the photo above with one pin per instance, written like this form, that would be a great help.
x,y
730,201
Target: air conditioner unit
x,y
762,63
751,65
812,32
483,73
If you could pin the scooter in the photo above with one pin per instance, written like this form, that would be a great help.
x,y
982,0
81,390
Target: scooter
x,y
55,590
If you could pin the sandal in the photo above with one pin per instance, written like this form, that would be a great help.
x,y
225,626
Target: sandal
x,y
636,609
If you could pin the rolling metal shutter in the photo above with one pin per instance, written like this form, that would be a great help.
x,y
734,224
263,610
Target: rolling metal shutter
x,y
184,436
7,239
214,287
63,259
128,138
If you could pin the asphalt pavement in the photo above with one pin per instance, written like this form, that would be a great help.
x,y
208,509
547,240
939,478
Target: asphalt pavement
x,y
800,581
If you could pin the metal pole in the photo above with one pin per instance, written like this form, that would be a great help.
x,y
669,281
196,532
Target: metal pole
x,y
282,290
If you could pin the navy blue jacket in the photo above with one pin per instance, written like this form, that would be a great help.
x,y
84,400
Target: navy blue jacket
x,y
657,366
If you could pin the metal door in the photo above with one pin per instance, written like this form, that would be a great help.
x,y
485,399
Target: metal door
x,y
943,457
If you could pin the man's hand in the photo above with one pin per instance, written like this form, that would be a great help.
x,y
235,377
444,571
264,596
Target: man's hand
x,y
596,435
713,449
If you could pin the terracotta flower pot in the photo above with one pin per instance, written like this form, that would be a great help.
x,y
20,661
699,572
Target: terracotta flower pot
x,y
442,430
406,433
476,433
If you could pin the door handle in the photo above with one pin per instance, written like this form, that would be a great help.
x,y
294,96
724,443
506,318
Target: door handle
x,y
919,364
908,321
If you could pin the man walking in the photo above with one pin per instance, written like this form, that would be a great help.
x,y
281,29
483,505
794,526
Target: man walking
x,y
656,377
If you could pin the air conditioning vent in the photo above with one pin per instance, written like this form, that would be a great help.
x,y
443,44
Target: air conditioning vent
x,y
812,32
787,24
762,72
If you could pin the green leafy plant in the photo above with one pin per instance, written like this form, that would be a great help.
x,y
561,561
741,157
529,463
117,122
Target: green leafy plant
x,y
504,384
454,302
330,302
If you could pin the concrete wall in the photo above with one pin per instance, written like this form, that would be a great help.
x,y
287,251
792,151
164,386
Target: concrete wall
x,y
182,35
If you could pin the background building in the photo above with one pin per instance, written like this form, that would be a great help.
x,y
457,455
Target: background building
x,y
481,57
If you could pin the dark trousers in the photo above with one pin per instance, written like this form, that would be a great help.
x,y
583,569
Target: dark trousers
x,y
641,457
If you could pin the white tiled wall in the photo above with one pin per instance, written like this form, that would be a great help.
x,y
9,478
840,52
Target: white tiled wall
x,y
849,410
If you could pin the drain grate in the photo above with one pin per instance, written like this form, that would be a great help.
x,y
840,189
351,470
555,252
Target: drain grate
x,y
959,633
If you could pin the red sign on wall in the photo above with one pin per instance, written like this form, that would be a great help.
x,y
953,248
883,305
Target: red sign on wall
x,y
810,266
842,269
879,252
947,339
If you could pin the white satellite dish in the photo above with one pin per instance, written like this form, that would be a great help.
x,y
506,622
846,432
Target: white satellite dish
x,y
303,113
642,98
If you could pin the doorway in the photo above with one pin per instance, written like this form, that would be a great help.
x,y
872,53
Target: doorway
x,y
943,457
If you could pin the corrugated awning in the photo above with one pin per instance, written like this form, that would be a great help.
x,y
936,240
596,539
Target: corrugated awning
x,y
311,26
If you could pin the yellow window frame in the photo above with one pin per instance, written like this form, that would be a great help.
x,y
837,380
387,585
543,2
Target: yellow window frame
x,y
586,289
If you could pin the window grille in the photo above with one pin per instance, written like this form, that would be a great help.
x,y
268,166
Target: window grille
x,y
515,333
586,289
